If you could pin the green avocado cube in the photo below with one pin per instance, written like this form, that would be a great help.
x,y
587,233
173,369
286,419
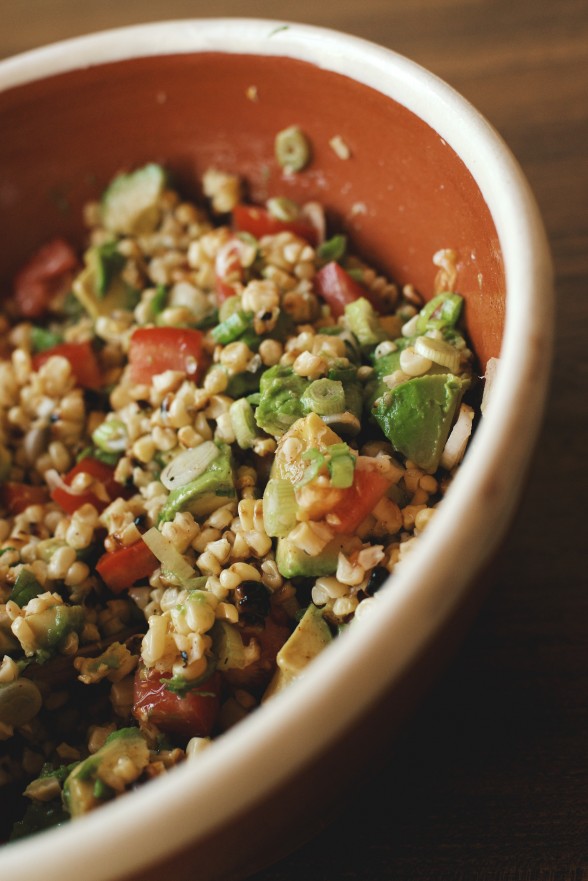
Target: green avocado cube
x,y
205,493
417,416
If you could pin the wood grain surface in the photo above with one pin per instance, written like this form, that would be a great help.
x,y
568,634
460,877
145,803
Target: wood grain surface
x,y
490,782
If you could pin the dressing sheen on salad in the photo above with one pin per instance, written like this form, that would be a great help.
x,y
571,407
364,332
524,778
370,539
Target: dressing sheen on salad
x,y
221,432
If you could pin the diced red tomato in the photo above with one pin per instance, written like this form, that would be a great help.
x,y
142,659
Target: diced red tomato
x,y
358,501
259,222
16,497
83,360
102,473
338,289
42,277
122,568
153,350
192,714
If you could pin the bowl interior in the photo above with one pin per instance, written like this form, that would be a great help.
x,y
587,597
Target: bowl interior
x,y
402,195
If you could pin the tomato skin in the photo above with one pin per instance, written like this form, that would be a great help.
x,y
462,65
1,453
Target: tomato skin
x,y
191,715
16,497
359,500
82,358
337,288
120,569
259,222
153,350
41,277
101,472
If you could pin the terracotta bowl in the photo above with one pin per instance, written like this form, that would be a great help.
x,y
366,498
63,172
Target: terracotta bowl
x,y
426,172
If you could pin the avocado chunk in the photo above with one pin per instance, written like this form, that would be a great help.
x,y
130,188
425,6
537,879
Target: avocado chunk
x,y
100,287
417,416
205,493
309,638
52,626
130,204
292,561
280,404
362,320
96,778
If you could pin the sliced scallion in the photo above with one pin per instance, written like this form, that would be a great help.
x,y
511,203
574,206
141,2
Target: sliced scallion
x,y
111,436
324,397
333,249
292,149
341,465
438,351
283,209
315,460
279,507
243,423
232,327
170,558
188,465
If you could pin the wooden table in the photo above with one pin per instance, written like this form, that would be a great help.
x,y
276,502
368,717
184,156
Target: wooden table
x,y
491,782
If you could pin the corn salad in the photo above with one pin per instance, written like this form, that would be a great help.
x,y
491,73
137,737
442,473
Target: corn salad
x,y
221,432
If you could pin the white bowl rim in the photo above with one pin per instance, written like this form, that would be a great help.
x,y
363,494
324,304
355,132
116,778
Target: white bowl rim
x,y
247,762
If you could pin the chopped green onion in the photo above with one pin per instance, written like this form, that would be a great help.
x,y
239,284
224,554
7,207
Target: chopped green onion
x,y
438,351
188,465
362,320
232,327
340,449
101,455
170,558
333,249
279,507
292,149
109,261
26,587
356,274
342,469
316,461
228,307
243,423
283,209
442,311
43,339
111,436
158,301
324,397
